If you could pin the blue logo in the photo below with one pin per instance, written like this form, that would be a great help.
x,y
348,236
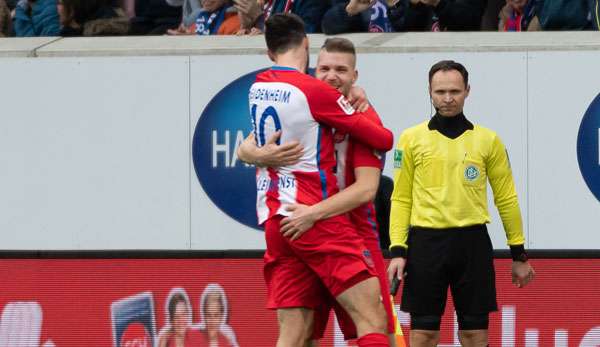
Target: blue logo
x,y
471,173
588,147
223,125
368,258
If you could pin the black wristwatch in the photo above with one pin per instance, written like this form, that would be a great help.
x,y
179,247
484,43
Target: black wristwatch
x,y
522,258
518,253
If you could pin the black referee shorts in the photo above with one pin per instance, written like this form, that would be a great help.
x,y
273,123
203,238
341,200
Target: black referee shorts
x,y
461,258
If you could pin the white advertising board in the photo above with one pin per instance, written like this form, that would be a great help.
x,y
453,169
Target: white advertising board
x,y
139,153
564,212
94,153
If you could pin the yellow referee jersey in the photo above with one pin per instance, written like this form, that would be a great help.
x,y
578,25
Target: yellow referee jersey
x,y
441,182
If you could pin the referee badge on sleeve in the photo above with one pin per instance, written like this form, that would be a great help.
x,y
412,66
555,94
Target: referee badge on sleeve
x,y
398,158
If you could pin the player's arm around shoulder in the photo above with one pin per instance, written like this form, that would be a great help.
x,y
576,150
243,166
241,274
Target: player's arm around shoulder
x,y
366,165
358,99
372,127
360,192
330,107
270,154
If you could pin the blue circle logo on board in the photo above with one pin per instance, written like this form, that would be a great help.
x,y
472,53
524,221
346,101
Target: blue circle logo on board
x,y
588,147
223,125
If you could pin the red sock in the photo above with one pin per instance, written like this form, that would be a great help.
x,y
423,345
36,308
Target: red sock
x,y
373,340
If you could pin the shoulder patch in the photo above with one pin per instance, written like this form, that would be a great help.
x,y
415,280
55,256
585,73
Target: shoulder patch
x,y
398,158
345,105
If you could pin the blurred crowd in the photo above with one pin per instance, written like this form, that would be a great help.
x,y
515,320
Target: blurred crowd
x,y
24,18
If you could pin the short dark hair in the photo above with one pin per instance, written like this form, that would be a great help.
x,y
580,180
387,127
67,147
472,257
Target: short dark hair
x,y
173,301
447,65
284,32
339,45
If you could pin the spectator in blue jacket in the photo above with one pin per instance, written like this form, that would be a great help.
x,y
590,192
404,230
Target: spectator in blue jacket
x,y
36,18
565,14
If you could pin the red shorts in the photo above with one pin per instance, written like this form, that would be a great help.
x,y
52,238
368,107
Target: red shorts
x,y
345,322
330,254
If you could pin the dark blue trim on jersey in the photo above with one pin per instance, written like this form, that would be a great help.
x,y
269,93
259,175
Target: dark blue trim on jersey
x,y
321,172
283,68
372,222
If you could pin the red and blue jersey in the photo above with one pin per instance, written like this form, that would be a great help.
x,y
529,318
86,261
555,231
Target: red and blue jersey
x,y
305,110
351,154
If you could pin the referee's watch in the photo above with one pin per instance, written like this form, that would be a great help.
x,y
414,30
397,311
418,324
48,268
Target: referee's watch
x,y
517,253
398,252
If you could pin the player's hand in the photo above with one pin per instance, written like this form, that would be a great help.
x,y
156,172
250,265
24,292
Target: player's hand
x,y
522,273
303,218
355,7
274,155
396,269
357,97
271,154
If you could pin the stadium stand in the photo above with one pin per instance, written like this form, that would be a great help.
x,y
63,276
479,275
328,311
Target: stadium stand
x,y
246,17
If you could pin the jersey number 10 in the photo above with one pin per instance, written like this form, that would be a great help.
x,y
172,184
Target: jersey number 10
x,y
259,128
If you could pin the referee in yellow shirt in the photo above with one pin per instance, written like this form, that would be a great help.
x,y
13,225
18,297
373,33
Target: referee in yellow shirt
x,y
439,213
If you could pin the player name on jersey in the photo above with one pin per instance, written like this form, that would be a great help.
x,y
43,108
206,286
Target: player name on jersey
x,y
273,95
